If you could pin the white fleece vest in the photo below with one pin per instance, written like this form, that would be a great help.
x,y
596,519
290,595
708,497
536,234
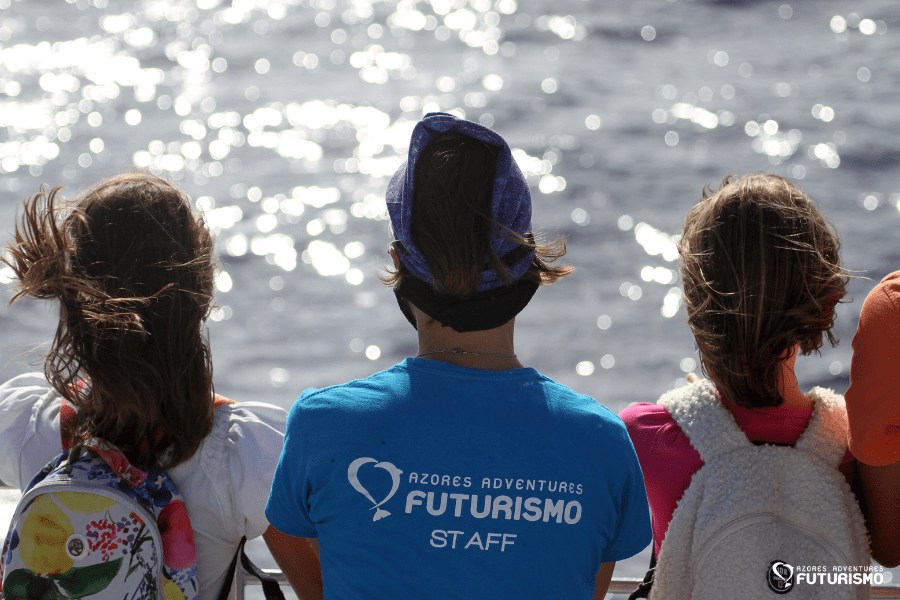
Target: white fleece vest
x,y
759,514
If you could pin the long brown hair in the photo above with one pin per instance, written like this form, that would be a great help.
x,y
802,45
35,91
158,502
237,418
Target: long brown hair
x,y
451,223
132,268
762,273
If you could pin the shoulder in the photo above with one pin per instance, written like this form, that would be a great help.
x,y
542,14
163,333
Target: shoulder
x,y
29,427
646,414
244,436
884,299
233,465
27,388
252,423
645,419
225,483
365,395
231,413
890,286
581,414
829,426
26,400
654,431
562,399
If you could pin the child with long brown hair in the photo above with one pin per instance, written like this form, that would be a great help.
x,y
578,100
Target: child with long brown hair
x,y
762,276
133,271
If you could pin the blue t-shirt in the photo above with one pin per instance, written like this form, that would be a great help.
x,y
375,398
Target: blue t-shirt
x,y
430,480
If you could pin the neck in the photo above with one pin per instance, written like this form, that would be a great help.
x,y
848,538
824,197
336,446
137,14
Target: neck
x,y
787,383
490,350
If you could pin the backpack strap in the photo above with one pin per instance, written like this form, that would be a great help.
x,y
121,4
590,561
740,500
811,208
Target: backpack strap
x,y
219,401
709,426
68,417
711,429
271,589
646,585
68,420
828,430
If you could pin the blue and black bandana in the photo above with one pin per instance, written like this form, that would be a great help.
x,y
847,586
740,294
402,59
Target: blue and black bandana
x,y
495,302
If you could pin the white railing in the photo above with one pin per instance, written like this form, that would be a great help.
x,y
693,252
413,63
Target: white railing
x,y
619,585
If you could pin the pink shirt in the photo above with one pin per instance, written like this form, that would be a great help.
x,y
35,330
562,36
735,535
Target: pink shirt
x,y
668,460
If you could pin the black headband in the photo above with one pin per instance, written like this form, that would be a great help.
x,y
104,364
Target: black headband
x,y
482,311
479,312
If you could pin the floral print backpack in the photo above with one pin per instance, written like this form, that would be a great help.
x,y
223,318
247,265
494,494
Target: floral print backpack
x,y
91,525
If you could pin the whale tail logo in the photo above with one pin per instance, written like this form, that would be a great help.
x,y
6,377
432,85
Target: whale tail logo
x,y
353,476
380,514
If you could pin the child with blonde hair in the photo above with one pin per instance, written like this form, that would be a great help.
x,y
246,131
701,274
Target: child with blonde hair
x,y
736,466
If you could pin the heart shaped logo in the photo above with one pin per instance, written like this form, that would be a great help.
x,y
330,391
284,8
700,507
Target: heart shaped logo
x,y
780,577
394,472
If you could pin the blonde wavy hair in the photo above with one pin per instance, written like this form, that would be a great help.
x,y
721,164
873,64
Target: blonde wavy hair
x,y
761,272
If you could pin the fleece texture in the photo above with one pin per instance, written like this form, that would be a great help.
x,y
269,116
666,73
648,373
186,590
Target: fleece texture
x,y
751,506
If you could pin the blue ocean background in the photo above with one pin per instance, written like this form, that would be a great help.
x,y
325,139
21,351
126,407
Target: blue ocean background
x,y
283,119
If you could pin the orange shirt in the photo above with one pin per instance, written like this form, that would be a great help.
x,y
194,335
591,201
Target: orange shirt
x,y
873,400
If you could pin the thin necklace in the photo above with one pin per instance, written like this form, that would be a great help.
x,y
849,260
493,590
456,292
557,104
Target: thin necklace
x,y
458,351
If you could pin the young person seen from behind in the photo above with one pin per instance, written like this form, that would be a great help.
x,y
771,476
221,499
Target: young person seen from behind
x,y
458,473
874,411
132,269
762,277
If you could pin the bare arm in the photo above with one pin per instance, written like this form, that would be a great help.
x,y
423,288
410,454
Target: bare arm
x,y
299,561
850,471
881,489
872,412
601,581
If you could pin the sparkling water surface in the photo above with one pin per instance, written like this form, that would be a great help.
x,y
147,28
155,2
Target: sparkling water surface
x,y
284,119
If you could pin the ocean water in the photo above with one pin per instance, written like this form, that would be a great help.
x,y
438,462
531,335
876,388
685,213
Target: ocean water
x,y
283,119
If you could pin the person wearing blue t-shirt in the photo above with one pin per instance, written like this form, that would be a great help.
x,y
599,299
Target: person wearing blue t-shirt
x,y
458,473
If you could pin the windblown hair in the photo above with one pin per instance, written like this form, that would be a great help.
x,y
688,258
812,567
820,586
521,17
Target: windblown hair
x,y
132,268
761,274
451,219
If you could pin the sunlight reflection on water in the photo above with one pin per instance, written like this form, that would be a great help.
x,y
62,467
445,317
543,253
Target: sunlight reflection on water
x,y
286,117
